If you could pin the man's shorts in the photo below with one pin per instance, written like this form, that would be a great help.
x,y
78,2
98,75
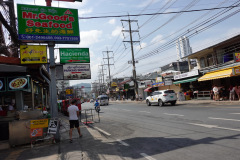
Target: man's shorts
x,y
74,123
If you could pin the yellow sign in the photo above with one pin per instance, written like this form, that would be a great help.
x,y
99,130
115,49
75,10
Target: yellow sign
x,y
69,91
114,84
33,54
158,79
117,89
237,56
236,71
40,123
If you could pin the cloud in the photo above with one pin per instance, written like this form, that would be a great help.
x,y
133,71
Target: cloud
x,y
158,39
82,12
147,2
112,21
117,31
90,37
138,47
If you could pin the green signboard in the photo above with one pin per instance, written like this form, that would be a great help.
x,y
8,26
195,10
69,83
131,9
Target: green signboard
x,y
74,55
43,24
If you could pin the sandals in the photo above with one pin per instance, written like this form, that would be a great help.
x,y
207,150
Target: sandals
x,y
70,141
80,136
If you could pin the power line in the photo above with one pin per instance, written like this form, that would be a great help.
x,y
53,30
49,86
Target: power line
x,y
149,14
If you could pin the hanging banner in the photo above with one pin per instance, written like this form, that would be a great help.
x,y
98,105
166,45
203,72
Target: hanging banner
x,y
33,54
74,55
2,84
18,83
76,72
44,24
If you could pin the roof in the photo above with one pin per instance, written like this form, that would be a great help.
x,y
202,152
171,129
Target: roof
x,y
216,45
9,60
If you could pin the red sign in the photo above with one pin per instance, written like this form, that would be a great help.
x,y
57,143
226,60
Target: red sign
x,y
37,132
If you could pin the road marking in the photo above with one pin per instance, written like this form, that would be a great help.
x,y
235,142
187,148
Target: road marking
x,y
214,126
123,143
126,110
145,111
108,134
147,156
234,113
237,120
173,114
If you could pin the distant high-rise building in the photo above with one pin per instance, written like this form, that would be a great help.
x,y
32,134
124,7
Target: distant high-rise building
x,y
183,47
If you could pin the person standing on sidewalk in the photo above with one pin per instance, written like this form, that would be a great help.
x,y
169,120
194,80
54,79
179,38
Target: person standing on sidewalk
x,y
216,93
73,112
231,93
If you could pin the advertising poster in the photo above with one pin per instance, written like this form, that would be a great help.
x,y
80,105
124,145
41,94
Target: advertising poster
x,y
74,55
33,54
37,132
76,72
2,84
237,57
43,24
18,83
40,123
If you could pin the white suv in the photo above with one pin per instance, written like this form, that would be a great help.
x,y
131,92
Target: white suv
x,y
162,96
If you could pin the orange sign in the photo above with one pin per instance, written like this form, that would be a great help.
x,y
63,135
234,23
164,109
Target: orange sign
x,y
37,132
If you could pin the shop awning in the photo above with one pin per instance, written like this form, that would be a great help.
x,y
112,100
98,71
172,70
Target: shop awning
x,y
148,89
186,80
217,75
123,82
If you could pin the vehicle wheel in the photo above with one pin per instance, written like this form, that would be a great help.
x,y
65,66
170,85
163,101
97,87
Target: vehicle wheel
x,y
148,103
173,103
160,103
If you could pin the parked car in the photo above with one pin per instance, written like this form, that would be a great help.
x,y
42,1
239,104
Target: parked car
x,y
161,97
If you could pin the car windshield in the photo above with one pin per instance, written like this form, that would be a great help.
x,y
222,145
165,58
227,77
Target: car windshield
x,y
169,91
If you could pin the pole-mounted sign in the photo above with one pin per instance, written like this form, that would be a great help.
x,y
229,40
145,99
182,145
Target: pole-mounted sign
x,y
44,24
74,55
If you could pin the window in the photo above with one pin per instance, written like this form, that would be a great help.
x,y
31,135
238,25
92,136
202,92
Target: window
x,y
209,60
202,62
169,91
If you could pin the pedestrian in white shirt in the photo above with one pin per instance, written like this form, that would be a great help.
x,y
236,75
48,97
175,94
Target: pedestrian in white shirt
x,y
216,93
73,112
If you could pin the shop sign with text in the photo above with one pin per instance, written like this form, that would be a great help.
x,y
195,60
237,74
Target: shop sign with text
x,y
236,71
74,55
75,72
33,54
187,74
40,123
41,24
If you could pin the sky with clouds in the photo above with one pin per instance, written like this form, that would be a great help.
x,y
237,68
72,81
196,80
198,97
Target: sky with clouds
x,y
156,34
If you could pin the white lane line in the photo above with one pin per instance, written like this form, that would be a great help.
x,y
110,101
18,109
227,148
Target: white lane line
x,y
225,119
234,113
147,156
126,110
173,114
214,126
104,132
145,111
123,143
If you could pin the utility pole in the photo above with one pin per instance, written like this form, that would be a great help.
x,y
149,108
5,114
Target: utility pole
x,y
102,74
108,64
133,59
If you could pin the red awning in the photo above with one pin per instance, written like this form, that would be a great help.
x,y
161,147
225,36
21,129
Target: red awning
x,y
148,89
123,82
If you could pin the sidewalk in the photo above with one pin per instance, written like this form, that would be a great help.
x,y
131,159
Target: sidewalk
x,y
193,101
48,151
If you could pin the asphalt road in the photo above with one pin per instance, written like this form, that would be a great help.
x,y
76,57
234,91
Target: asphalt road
x,y
181,132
